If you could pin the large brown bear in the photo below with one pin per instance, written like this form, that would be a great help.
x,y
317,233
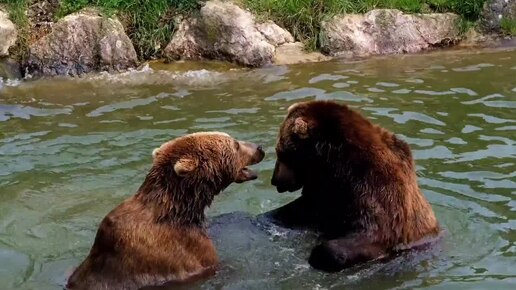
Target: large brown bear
x,y
359,185
158,235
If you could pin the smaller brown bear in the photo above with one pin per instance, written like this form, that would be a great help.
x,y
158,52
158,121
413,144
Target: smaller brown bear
x,y
158,235
359,185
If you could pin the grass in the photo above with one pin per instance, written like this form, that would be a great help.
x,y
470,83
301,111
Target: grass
x,y
508,26
149,23
16,9
303,17
468,9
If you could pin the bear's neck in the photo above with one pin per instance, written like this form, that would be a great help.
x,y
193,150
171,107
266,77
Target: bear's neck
x,y
178,203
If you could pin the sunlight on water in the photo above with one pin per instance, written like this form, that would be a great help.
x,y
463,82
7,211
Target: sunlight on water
x,y
71,150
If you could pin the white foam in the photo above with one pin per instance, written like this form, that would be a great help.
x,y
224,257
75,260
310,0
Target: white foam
x,y
9,82
149,76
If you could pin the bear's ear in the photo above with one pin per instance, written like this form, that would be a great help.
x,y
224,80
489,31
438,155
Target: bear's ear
x,y
185,165
300,127
292,107
155,152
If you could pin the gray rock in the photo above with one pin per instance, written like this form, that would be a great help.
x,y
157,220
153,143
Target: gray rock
x,y
9,69
292,53
387,31
274,34
7,34
493,13
80,43
224,31
474,38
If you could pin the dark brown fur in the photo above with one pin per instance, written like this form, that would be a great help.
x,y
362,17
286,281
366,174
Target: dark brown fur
x,y
359,185
158,235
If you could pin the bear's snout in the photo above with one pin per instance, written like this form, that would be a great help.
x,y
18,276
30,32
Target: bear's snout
x,y
259,155
251,154
254,151
284,178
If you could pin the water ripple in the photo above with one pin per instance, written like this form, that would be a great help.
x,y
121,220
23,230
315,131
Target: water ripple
x,y
472,68
296,94
405,117
126,105
492,119
326,77
26,112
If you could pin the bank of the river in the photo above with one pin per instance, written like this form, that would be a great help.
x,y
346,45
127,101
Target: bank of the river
x,y
70,37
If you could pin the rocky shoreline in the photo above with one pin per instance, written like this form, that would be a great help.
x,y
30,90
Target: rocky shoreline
x,y
88,41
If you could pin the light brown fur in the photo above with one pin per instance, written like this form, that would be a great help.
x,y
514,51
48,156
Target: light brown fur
x,y
158,235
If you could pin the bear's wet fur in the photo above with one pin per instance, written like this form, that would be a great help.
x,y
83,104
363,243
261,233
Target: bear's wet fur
x,y
158,235
359,186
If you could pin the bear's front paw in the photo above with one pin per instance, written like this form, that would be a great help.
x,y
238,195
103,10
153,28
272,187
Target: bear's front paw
x,y
327,258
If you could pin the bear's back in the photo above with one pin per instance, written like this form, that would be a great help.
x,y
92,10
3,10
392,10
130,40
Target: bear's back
x,y
132,250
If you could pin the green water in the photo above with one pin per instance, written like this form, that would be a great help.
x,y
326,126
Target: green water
x,y
71,150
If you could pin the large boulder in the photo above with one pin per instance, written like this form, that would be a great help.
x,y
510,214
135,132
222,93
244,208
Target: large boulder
x,y
225,31
387,31
80,43
292,53
494,12
7,34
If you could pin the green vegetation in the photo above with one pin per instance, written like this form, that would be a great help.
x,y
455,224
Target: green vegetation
x,y
468,9
303,17
16,10
69,6
508,26
149,23
17,15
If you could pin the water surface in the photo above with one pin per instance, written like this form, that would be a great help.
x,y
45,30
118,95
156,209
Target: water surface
x,y
71,150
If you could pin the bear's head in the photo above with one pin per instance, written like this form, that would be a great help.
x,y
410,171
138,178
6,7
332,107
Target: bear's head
x,y
311,135
189,171
212,158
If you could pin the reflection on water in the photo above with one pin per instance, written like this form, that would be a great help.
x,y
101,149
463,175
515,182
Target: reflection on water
x,y
70,150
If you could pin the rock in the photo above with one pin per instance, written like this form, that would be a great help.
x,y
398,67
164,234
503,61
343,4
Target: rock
x,y
291,53
387,31
80,43
7,34
274,34
493,13
225,31
9,69
474,38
